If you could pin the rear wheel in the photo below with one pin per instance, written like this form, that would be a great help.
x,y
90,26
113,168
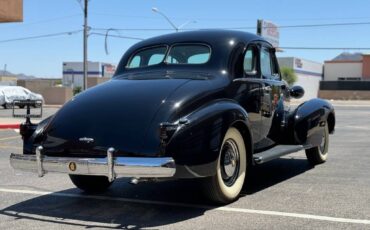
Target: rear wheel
x,y
90,184
319,154
225,186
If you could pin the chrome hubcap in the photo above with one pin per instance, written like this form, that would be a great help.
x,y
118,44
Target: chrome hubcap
x,y
230,162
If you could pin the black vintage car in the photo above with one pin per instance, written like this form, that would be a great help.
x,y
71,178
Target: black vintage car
x,y
203,104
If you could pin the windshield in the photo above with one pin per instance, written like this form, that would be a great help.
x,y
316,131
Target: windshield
x,y
178,54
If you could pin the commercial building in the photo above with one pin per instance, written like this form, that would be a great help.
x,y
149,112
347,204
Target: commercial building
x,y
73,73
309,74
348,67
8,80
346,77
11,11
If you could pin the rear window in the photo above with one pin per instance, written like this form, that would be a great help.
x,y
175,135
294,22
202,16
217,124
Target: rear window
x,y
178,54
148,57
188,54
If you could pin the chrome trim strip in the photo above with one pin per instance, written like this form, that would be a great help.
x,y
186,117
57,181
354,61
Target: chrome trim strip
x,y
140,167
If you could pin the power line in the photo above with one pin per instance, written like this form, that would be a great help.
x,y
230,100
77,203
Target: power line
x,y
139,29
117,36
41,36
285,48
137,38
65,33
246,27
326,25
227,19
42,21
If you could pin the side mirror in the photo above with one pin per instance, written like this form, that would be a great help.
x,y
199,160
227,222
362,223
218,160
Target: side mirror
x,y
296,92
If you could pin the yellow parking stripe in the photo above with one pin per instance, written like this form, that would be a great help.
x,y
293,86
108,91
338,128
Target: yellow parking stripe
x,y
9,138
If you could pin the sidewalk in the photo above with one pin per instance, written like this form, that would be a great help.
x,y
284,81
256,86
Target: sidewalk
x,y
350,102
338,102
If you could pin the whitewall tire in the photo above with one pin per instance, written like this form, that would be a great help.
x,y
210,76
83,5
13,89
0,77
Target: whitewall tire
x,y
226,184
319,154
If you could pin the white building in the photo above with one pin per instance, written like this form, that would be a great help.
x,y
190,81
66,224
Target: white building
x,y
348,67
73,72
309,74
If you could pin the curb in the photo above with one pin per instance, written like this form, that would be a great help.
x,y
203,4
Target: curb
x,y
9,126
52,106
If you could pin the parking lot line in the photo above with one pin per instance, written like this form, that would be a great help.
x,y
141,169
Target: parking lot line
x,y
10,138
225,209
9,147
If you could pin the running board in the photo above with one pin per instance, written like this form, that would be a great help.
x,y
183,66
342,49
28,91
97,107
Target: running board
x,y
276,152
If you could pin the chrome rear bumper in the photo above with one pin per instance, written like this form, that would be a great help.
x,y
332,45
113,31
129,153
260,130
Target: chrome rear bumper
x,y
111,167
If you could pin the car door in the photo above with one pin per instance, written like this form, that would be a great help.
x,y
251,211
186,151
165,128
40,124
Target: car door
x,y
273,92
247,86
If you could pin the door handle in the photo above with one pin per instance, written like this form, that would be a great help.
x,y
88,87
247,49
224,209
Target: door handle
x,y
266,89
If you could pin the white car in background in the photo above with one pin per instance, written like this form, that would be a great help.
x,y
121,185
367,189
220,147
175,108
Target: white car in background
x,y
10,93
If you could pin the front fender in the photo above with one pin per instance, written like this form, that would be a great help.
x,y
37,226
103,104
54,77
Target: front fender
x,y
195,146
309,119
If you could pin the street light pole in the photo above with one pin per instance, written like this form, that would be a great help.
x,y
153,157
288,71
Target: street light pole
x,y
85,66
154,9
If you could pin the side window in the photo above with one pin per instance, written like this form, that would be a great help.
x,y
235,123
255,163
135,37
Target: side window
x,y
275,67
265,60
250,61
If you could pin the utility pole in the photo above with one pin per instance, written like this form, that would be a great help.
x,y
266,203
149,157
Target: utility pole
x,y
85,67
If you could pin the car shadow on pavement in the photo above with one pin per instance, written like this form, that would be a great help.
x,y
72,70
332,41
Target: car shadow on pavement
x,y
274,172
130,206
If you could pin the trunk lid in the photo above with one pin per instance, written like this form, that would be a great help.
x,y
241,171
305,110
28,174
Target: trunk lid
x,y
114,114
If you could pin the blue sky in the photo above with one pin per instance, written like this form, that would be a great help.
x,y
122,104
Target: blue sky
x,y
44,57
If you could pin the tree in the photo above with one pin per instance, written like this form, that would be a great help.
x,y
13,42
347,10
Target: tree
x,y
288,75
77,90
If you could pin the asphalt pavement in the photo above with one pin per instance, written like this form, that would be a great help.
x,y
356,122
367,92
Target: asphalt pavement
x,y
286,193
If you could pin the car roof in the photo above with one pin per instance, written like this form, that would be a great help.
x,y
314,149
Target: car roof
x,y
211,36
222,42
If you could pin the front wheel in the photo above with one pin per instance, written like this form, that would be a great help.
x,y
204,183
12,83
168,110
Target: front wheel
x,y
90,184
225,186
319,154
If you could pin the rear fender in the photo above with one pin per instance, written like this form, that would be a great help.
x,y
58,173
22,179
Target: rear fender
x,y
309,119
195,145
33,139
